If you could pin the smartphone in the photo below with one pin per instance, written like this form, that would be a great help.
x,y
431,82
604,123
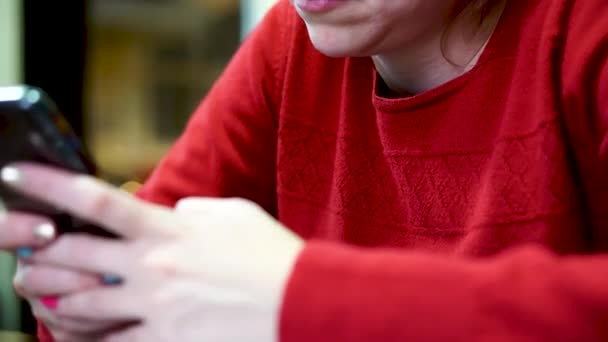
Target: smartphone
x,y
33,129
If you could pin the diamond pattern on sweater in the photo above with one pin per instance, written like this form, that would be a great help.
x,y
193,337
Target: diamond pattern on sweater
x,y
434,191
452,180
530,165
312,160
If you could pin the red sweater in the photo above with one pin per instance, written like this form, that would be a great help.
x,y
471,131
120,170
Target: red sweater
x,y
476,211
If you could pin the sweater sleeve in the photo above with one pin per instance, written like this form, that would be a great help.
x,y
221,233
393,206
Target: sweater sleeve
x,y
585,102
344,293
602,107
228,148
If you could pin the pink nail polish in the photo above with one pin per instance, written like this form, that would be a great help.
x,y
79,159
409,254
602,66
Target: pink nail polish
x,y
50,302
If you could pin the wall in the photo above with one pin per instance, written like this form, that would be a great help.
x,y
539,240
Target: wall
x,y
10,27
10,73
252,12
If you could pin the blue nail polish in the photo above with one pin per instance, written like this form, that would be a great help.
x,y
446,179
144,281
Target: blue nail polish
x,y
24,252
109,279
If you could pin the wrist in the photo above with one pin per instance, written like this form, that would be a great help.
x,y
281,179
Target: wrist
x,y
281,275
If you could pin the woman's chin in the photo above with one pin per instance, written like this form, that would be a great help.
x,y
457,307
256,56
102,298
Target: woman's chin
x,y
338,48
342,43
332,51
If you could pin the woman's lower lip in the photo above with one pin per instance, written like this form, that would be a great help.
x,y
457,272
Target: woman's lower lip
x,y
317,6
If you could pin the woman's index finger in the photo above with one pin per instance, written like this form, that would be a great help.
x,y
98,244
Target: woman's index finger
x,y
89,199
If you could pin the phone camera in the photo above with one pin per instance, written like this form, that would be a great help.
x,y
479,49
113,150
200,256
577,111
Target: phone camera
x,y
36,139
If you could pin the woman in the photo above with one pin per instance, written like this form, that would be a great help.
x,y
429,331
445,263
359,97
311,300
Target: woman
x,y
411,171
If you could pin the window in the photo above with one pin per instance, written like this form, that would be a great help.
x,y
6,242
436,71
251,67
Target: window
x,y
150,62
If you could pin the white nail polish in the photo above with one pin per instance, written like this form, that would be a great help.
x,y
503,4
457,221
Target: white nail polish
x,y
3,212
45,232
19,275
10,175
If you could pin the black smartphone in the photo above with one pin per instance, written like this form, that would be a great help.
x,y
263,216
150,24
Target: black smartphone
x,y
33,129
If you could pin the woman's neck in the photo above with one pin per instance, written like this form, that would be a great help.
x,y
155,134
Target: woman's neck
x,y
436,61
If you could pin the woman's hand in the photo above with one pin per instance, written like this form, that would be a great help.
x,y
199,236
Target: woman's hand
x,y
35,281
40,284
212,269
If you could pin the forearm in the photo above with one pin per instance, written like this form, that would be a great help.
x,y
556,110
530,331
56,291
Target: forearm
x,y
340,293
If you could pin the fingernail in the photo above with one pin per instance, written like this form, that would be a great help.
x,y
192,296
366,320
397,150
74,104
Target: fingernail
x,y
19,275
10,175
50,302
3,214
45,232
109,279
24,252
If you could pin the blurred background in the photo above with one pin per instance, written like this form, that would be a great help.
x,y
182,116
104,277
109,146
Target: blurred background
x,y
126,73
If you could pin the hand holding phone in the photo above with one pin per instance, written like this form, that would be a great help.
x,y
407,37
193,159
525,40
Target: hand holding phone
x,y
32,129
